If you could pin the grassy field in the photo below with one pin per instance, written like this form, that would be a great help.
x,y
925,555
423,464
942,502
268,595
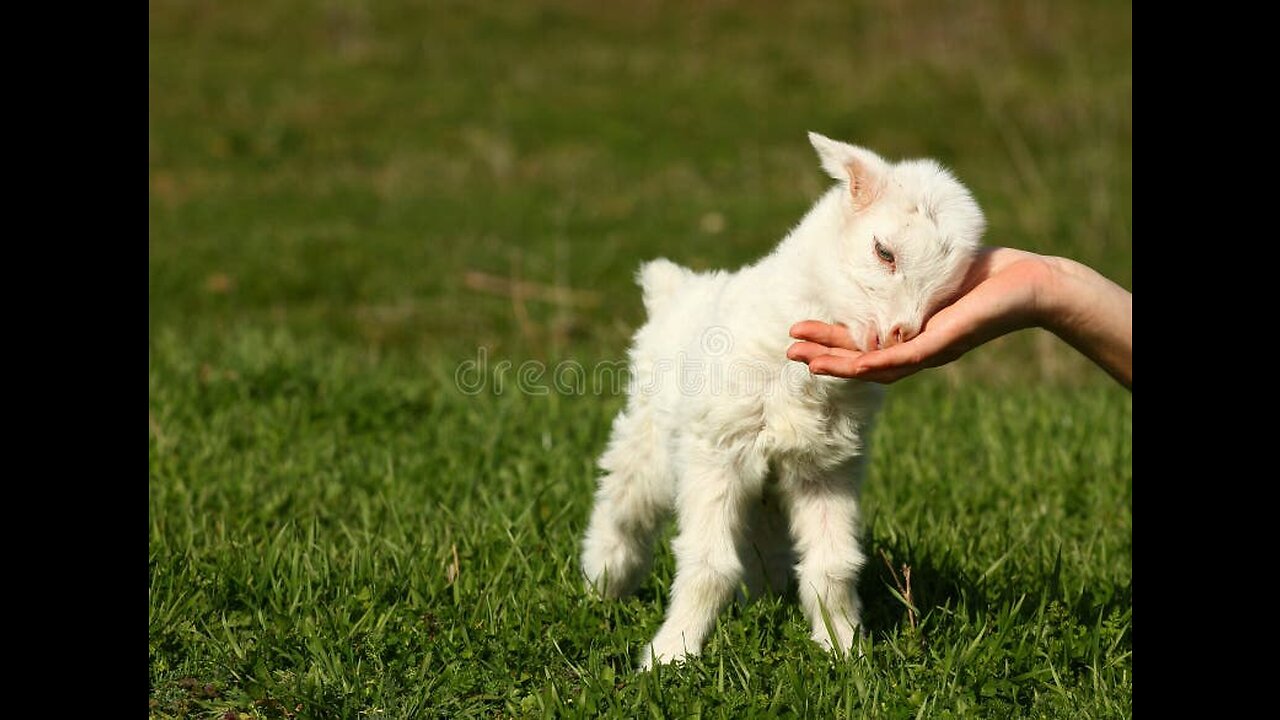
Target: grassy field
x,y
337,194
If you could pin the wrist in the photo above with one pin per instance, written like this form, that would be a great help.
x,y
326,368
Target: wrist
x,y
1081,303
1057,294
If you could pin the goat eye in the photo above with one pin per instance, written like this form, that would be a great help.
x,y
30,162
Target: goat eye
x,y
884,253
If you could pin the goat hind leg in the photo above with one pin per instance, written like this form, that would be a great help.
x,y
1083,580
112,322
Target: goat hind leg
x,y
633,498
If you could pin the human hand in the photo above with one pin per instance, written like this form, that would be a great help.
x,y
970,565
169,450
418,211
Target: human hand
x,y
1003,291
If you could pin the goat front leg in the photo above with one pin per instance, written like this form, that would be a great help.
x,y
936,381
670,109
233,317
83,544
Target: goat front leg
x,y
712,501
823,510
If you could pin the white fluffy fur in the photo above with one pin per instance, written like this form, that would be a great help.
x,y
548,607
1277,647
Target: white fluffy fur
x,y
760,460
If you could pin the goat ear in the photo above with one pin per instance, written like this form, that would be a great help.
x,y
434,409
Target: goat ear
x,y
862,169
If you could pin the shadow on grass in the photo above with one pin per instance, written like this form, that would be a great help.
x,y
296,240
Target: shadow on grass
x,y
938,581
1021,595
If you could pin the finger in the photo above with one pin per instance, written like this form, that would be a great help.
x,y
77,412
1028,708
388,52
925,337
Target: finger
x,y
806,351
892,357
851,368
824,334
835,366
886,376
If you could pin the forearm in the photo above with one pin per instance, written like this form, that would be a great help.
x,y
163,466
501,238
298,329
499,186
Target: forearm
x,y
1093,314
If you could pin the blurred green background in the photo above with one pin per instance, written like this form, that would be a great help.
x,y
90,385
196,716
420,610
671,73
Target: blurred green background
x,y
336,168
341,198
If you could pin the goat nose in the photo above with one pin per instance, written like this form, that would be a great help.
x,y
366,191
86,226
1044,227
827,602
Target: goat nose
x,y
870,340
899,334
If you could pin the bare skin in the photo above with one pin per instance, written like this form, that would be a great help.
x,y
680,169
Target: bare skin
x,y
1004,291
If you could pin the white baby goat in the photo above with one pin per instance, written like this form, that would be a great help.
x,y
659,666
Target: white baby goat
x,y
761,460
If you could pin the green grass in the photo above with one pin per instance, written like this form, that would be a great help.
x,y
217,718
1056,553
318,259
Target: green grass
x,y
322,176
